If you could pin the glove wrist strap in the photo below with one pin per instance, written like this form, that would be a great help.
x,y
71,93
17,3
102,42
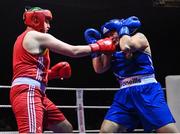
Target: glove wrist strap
x,y
94,47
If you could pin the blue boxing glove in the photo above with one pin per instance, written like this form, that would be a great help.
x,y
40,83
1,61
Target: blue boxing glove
x,y
129,26
91,36
114,24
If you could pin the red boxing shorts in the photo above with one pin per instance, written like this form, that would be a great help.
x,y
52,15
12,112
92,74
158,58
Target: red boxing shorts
x,y
32,109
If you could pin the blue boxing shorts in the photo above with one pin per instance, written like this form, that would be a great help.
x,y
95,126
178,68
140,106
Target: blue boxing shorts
x,y
140,103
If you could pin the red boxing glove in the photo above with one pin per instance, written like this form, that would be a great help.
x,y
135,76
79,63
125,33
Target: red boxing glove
x,y
105,45
60,70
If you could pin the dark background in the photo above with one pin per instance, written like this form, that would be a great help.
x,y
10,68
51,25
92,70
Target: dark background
x,y
71,18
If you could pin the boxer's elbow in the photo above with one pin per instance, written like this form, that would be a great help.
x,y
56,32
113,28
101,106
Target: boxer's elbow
x,y
99,70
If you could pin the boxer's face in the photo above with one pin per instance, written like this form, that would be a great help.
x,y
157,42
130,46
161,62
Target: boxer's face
x,y
114,36
46,26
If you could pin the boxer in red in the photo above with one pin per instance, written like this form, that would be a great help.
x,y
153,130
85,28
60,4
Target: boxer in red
x,y
33,110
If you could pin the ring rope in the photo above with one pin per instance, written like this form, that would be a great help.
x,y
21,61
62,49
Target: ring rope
x,y
64,88
62,106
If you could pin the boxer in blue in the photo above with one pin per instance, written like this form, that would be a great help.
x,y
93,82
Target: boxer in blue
x,y
140,97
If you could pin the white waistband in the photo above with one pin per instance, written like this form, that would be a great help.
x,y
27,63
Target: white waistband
x,y
137,80
29,81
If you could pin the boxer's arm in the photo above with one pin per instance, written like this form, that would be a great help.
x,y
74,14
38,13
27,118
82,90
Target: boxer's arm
x,y
40,41
101,63
44,40
137,42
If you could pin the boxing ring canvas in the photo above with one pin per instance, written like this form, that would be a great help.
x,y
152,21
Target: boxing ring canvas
x,y
173,96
